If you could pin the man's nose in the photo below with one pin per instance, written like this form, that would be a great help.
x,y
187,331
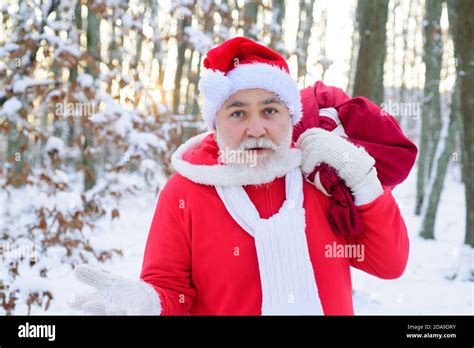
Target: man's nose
x,y
256,128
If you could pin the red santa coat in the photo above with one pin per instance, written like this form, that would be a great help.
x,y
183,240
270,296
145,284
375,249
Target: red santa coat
x,y
201,262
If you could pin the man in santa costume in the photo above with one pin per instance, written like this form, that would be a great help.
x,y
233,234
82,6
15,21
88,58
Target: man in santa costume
x,y
240,229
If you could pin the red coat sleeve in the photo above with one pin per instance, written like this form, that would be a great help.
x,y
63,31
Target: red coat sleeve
x,y
385,238
167,259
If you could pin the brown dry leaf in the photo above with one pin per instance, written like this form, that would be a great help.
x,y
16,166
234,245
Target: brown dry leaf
x,y
42,224
115,214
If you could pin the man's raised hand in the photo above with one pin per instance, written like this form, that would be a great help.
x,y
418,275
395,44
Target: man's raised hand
x,y
114,294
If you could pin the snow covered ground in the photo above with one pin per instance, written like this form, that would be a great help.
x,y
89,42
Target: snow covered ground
x,y
423,289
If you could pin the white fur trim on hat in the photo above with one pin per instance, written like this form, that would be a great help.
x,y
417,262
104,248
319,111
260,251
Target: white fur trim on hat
x,y
217,88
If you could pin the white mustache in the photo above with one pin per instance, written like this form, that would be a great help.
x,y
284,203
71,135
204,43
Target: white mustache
x,y
263,143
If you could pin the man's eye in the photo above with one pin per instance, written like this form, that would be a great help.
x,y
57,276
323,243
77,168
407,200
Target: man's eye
x,y
270,111
237,114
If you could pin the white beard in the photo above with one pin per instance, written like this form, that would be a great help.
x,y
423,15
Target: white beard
x,y
276,161
275,166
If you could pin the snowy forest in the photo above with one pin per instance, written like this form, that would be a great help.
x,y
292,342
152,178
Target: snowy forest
x,y
95,96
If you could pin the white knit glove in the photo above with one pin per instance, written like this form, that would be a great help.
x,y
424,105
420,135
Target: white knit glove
x,y
115,295
353,164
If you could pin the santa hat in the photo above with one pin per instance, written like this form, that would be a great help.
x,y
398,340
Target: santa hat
x,y
240,63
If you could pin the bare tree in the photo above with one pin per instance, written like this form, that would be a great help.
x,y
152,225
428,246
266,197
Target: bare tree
x,y
93,49
305,26
463,32
184,21
278,14
431,109
372,20
250,14
442,156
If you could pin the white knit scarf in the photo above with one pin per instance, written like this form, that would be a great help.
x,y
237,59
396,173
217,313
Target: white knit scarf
x,y
286,272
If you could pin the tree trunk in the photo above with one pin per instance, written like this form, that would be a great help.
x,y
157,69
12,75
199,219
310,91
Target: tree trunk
x,y
440,165
139,42
393,57
431,109
250,18
158,43
325,64
372,18
463,28
93,48
303,36
404,59
195,81
71,121
355,42
182,46
277,28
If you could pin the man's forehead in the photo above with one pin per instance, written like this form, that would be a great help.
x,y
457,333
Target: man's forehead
x,y
243,98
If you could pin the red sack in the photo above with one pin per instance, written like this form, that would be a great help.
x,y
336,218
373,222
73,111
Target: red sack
x,y
365,124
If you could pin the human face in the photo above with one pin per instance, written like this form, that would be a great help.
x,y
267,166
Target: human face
x,y
254,120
